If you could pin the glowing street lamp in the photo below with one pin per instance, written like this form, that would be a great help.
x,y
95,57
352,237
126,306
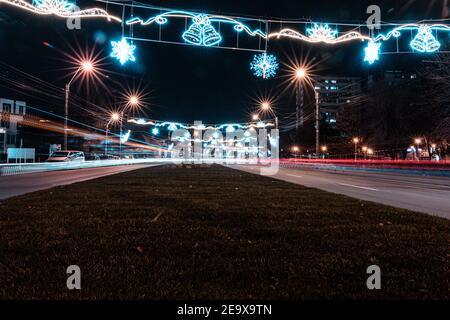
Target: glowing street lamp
x,y
255,117
295,149
300,73
267,107
114,117
133,100
324,148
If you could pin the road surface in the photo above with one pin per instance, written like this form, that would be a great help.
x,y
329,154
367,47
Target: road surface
x,y
15,185
418,193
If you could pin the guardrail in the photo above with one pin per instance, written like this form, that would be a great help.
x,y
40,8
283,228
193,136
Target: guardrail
x,y
432,168
22,168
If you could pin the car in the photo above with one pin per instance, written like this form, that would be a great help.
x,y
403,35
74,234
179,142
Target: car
x,y
93,157
66,156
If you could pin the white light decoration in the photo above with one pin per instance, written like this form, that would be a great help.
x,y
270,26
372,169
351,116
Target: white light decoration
x,y
60,8
123,51
316,38
372,52
321,33
424,41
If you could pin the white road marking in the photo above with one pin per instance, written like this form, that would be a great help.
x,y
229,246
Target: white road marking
x,y
359,187
294,175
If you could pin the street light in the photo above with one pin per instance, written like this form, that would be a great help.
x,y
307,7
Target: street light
x,y
324,150
301,74
114,118
356,141
418,142
255,117
364,149
267,107
86,67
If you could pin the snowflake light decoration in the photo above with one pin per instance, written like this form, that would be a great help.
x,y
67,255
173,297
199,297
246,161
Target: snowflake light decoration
x,y
54,6
371,52
321,33
123,51
264,65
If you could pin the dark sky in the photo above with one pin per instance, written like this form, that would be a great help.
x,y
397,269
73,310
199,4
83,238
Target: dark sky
x,y
194,83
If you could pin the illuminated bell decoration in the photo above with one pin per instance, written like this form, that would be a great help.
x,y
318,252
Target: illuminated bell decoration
x,y
172,127
202,33
424,41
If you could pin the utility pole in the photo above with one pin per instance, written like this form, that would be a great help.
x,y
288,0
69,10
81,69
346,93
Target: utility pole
x,y
299,105
317,121
66,114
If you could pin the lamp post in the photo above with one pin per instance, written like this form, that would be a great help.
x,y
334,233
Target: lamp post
x,y
418,141
86,67
324,150
356,141
114,118
364,149
301,74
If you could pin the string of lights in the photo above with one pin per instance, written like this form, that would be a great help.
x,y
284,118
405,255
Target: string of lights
x,y
204,29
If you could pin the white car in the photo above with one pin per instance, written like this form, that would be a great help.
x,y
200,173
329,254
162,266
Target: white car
x,y
66,156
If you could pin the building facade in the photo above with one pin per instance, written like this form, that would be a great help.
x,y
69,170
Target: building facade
x,y
335,92
11,113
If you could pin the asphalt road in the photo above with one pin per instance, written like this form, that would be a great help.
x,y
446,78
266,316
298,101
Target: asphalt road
x,y
418,193
15,185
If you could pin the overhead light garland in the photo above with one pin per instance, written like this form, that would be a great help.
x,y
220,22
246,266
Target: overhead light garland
x,y
201,31
204,30
227,127
60,8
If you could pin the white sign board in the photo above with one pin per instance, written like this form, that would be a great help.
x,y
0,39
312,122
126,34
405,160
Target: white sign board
x,y
21,153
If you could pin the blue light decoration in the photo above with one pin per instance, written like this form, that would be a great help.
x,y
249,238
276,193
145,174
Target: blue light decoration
x,y
59,8
424,41
155,131
321,33
371,52
172,127
54,5
123,51
202,33
264,65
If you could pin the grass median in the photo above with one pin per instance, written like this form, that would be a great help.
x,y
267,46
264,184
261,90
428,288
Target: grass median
x,y
210,232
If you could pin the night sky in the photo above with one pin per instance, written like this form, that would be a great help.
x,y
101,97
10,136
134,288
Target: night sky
x,y
193,83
